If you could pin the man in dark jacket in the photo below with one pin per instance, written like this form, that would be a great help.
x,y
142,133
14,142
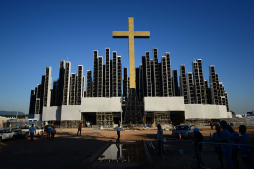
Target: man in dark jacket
x,y
198,137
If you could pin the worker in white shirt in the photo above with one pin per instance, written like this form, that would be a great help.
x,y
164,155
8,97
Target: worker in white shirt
x,y
118,133
32,130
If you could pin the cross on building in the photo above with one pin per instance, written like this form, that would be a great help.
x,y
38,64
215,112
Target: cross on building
x,y
131,34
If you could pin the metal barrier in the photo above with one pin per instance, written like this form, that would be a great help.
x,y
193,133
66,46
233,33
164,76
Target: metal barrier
x,y
212,150
105,128
185,154
22,123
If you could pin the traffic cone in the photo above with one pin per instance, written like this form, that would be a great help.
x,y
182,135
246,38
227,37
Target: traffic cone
x,y
211,136
180,136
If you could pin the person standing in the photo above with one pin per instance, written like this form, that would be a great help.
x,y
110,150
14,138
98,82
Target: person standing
x,y
20,126
226,149
32,130
216,138
198,137
159,139
118,133
234,139
103,124
247,157
211,124
53,132
79,128
48,131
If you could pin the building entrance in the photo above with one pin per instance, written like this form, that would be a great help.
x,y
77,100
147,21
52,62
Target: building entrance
x,y
88,117
177,117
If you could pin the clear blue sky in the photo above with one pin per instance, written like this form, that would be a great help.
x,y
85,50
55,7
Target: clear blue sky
x,y
36,34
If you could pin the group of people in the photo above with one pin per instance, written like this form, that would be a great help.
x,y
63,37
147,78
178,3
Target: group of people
x,y
224,134
51,131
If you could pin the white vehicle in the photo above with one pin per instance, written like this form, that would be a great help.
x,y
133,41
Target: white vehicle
x,y
185,131
7,134
24,131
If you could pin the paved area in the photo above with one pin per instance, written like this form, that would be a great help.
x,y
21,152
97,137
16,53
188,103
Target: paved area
x,y
68,150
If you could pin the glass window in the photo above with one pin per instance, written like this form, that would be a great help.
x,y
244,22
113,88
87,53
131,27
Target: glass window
x,y
181,127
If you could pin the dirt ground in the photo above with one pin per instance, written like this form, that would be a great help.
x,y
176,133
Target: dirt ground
x,y
69,150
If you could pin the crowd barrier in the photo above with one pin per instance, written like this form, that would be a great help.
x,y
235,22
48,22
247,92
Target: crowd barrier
x,y
211,155
185,154
22,123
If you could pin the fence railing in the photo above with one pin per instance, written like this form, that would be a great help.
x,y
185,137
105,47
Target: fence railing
x,y
170,150
22,123
206,154
225,155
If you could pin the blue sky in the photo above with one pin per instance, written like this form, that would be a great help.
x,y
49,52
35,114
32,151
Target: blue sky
x,y
36,34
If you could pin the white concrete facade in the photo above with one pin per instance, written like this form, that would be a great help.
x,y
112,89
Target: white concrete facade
x,y
88,104
151,104
191,111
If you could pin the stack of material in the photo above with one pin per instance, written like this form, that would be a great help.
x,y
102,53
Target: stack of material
x,y
236,122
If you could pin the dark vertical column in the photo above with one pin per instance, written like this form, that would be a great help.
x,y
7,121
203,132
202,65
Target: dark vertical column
x,y
114,80
170,90
100,77
66,83
159,80
201,82
190,88
125,80
156,73
54,99
83,86
119,77
95,69
111,79
32,102
164,76
60,83
152,78
199,87
73,88
148,75
213,86
104,81
37,100
89,83
42,93
175,83
107,73
137,81
141,83
79,85
226,100
144,79
207,92
183,83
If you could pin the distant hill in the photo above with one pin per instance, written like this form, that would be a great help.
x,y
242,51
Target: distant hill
x,y
11,113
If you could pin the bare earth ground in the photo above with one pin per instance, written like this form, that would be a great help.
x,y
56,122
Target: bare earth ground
x,y
69,150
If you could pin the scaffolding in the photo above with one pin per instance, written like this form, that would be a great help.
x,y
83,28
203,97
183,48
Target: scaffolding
x,y
101,117
162,117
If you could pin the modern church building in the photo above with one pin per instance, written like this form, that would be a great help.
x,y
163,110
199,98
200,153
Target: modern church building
x,y
151,94
160,94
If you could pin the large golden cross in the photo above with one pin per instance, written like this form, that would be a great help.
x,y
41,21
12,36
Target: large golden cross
x,y
131,34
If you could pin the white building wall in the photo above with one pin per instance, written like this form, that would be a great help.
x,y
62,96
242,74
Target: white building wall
x,y
101,104
51,113
71,112
192,111
163,104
